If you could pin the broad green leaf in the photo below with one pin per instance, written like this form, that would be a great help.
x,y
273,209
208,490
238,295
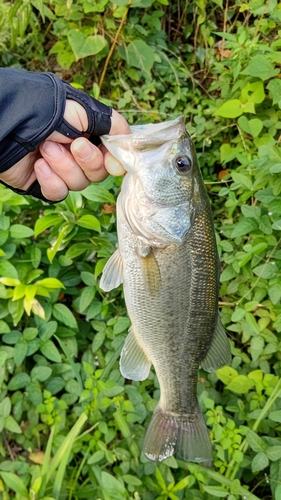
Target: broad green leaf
x,y
18,381
64,230
41,373
52,283
83,45
63,314
87,296
230,109
275,169
133,480
37,309
275,416
96,457
261,67
98,193
35,256
252,127
140,55
11,425
98,6
260,462
244,226
274,292
253,92
20,352
265,195
121,325
240,384
15,483
51,352
238,314
112,486
10,281
273,453
242,179
88,278
98,340
277,495
216,491
256,442
47,221
89,222
226,374
77,249
277,225
265,224
228,274
267,270
274,87
5,407
7,270
257,345
18,231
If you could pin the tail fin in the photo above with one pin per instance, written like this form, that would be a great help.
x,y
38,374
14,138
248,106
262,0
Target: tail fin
x,y
185,435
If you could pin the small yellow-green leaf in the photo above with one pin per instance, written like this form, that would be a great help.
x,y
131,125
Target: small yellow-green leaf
x,y
230,109
226,374
52,283
10,281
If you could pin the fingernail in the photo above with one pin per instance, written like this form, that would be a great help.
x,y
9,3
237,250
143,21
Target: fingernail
x,y
52,149
83,150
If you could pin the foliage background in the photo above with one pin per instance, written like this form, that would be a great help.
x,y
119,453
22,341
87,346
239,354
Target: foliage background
x,y
218,63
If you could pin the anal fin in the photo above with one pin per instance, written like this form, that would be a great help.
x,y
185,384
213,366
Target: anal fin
x,y
112,275
219,353
134,363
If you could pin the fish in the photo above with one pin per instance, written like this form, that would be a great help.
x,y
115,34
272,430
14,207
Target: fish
x,y
168,263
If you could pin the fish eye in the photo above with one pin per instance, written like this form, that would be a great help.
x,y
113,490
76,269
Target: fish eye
x,y
183,164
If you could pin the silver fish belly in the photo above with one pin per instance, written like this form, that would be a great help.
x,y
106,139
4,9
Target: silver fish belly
x,y
167,261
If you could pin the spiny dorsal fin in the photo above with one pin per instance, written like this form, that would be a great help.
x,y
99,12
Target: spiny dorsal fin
x,y
112,275
219,353
134,363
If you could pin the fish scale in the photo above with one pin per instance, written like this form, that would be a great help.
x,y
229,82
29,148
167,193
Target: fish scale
x,y
168,264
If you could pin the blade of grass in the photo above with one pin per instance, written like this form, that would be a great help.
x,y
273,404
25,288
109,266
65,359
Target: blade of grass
x,y
65,448
46,463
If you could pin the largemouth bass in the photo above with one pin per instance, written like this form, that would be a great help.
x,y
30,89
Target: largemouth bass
x,y
167,261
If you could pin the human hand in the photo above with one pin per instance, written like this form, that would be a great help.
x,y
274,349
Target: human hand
x,y
61,164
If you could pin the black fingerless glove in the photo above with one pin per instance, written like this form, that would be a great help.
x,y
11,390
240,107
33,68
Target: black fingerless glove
x,y
32,106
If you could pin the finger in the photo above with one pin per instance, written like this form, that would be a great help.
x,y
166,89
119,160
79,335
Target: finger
x,y
89,158
21,175
119,124
52,186
112,165
64,165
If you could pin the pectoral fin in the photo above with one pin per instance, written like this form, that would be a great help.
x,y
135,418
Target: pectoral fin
x,y
112,275
151,273
134,363
219,353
